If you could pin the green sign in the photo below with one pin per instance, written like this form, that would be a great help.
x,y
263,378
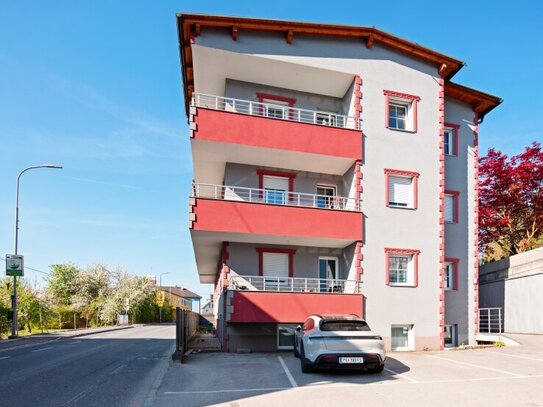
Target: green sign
x,y
14,265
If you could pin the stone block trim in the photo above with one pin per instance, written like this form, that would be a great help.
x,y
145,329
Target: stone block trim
x,y
441,144
476,222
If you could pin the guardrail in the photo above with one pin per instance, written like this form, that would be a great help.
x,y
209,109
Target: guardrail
x,y
294,285
275,111
274,197
186,325
491,320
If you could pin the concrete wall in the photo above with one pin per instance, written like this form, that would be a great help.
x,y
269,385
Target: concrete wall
x,y
516,284
459,244
256,337
247,91
305,182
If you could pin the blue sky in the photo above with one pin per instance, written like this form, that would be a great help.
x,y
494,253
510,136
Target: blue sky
x,y
95,86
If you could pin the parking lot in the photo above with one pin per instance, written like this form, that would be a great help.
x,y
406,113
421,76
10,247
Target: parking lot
x,y
509,376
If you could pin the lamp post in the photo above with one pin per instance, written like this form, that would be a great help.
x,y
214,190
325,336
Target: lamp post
x,y
160,285
14,330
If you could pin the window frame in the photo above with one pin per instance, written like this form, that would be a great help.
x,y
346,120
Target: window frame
x,y
262,250
329,201
415,186
453,328
454,262
410,337
402,99
281,99
455,200
290,175
454,129
413,266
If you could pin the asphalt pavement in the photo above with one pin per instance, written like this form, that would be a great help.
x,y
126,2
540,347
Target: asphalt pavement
x,y
114,368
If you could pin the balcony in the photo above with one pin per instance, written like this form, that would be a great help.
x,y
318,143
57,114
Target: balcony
x,y
294,285
272,135
221,213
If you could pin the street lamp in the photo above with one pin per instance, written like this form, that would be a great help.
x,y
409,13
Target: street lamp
x,y
160,285
14,330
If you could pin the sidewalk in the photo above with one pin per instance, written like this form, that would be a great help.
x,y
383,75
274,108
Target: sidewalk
x,y
32,340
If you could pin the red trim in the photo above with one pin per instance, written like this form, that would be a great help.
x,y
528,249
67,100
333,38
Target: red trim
x,y
455,195
289,175
454,261
290,252
455,128
415,253
403,173
476,222
414,100
262,96
441,287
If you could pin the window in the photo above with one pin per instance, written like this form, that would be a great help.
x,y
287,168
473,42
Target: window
x,y
275,264
402,338
326,194
450,332
401,267
285,336
275,109
451,206
401,189
450,139
328,274
275,189
451,274
345,326
401,111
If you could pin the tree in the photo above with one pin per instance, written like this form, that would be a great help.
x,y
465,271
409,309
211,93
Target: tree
x,y
510,202
62,285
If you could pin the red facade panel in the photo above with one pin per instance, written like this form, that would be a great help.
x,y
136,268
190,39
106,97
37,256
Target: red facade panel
x,y
227,127
261,306
263,219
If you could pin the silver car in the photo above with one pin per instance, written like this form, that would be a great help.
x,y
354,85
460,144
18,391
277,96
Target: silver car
x,y
338,342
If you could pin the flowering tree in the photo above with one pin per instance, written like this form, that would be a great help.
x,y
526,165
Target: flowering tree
x,y
510,202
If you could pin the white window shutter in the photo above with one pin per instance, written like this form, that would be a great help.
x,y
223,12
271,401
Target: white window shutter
x,y
275,264
400,191
276,183
449,208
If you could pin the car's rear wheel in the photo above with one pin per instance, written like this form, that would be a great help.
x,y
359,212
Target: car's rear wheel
x,y
306,367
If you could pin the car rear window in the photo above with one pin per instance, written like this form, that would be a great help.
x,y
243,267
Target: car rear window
x,y
345,326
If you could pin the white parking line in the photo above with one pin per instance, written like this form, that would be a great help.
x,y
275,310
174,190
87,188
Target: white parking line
x,y
39,350
287,372
5,357
515,356
226,391
476,366
72,343
403,376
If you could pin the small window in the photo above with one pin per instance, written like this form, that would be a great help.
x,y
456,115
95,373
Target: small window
x,y
451,274
275,189
402,338
325,196
345,326
400,269
401,111
400,192
397,116
451,207
450,333
449,141
275,109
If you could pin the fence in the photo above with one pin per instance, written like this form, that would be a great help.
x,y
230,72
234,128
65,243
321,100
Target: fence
x,y
295,284
186,324
491,320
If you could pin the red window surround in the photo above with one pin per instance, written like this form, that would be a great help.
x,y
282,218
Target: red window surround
x,y
289,175
455,195
455,128
412,252
290,252
413,99
454,262
403,173
262,96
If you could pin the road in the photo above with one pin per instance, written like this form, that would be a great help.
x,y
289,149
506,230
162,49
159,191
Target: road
x,y
117,368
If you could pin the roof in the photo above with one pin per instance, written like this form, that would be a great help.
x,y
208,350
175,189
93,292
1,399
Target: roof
x,y
179,291
189,25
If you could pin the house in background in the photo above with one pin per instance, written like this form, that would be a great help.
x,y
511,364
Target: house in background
x,y
180,297
335,171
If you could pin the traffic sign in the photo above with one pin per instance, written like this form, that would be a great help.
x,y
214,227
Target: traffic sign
x,y
14,265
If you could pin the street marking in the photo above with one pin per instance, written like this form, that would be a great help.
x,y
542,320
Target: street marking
x,y
515,356
5,357
39,350
402,375
72,343
477,366
226,391
287,372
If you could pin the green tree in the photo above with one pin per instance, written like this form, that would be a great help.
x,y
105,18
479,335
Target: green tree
x,y
62,285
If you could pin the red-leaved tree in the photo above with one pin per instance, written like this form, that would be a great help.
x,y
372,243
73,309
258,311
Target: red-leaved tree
x,y
511,201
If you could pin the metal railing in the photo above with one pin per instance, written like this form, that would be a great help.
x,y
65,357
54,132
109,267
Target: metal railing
x,y
294,284
275,111
274,197
491,320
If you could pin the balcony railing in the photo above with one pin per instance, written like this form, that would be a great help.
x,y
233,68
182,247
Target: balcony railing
x,y
491,320
294,285
274,197
275,111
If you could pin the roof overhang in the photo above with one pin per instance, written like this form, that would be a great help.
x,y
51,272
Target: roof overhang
x,y
190,25
481,102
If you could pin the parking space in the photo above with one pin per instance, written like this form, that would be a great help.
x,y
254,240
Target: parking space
x,y
495,376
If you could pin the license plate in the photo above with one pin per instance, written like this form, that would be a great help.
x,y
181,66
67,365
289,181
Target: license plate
x,y
351,360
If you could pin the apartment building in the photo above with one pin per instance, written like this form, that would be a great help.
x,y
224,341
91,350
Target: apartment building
x,y
335,171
